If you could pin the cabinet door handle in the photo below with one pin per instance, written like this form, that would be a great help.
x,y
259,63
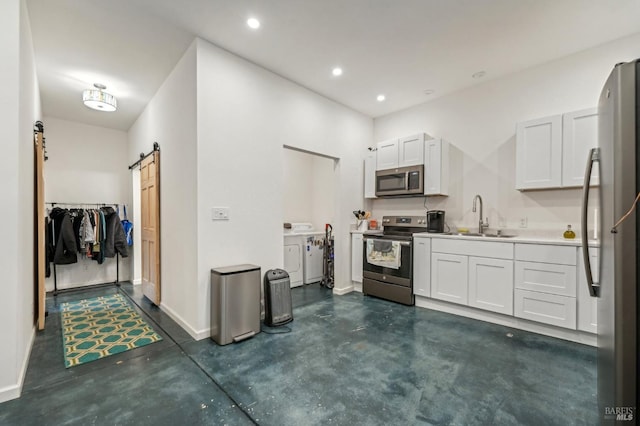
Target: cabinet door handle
x,y
594,155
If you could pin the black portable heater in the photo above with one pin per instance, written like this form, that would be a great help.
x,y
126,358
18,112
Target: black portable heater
x,y
277,298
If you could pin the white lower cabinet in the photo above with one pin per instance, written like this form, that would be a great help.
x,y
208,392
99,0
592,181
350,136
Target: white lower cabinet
x,y
422,266
546,308
449,277
545,281
491,284
357,256
587,305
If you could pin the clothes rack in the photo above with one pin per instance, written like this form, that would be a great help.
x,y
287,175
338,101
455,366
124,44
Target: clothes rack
x,y
84,206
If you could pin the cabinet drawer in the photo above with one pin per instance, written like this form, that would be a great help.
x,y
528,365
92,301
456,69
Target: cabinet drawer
x,y
546,308
473,248
564,255
546,278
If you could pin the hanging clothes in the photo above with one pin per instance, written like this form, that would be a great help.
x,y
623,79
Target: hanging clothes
x,y
86,234
76,218
97,253
48,238
65,241
115,238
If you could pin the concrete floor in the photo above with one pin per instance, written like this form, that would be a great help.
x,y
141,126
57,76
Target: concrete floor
x,y
347,360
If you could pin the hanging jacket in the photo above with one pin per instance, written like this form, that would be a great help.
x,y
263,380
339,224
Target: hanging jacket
x,y
65,241
76,218
115,238
99,245
87,229
49,252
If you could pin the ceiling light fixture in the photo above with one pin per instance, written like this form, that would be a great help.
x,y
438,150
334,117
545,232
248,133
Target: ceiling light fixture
x,y
253,23
479,74
429,92
98,99
381,98
337,71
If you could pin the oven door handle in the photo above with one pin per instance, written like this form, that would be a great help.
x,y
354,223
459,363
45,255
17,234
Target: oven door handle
x,y
402,243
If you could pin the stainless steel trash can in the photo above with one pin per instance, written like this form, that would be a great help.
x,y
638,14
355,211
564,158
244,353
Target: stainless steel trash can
x,y
235,303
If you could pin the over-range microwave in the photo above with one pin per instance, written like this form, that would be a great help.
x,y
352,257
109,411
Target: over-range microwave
x,y
401,181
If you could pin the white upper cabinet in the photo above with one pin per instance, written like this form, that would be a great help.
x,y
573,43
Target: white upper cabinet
x,y
403,152
387,155
436,167
579,135
551,152
411,150
370,175
539,153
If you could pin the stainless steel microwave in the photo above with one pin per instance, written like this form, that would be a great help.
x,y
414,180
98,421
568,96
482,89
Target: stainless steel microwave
x,y
400,181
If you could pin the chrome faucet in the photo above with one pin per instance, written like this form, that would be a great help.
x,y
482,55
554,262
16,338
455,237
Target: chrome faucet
x,y
481,224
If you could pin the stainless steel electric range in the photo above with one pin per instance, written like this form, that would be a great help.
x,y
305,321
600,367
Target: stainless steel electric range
x,y
388,259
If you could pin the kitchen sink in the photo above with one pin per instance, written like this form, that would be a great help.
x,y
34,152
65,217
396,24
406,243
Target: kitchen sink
x,y
475,234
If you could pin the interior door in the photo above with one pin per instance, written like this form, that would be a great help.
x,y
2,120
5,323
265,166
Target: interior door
x,y
150,215
40,252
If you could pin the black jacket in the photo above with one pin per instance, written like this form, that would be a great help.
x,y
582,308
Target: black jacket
x,y
116,240
64,238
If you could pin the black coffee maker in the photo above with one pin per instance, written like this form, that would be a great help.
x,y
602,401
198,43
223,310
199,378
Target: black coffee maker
x,y
435,221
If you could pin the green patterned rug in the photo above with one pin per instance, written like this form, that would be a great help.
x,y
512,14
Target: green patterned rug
x,y
102,326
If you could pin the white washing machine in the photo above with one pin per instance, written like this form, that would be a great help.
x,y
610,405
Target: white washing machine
x,y
293,263
313,259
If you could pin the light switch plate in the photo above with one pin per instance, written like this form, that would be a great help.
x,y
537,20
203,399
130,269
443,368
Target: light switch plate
x,y
220,213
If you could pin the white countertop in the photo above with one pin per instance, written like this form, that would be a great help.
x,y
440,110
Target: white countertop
x,y
525,239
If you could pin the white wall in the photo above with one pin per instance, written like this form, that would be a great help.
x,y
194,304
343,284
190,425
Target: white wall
x,y
87,164
323,188
480,122
245,115
19,109
170,120
296,188
308,188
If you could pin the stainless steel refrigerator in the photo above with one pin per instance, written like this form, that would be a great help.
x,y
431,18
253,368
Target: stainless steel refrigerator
x,y
617,284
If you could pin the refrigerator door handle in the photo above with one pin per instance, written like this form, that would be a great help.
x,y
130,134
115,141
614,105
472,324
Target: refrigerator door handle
x,y
594,155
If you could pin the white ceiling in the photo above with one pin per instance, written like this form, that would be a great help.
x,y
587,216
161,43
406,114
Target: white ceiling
x,y
399,48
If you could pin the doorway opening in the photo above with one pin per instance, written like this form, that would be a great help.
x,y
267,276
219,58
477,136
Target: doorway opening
x,y
309,204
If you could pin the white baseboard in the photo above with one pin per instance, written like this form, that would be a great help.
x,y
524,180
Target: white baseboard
x,y
137,281
197,335
10,392
508,321
13,391
341,291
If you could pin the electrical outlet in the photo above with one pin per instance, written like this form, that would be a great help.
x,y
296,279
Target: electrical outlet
x,y
524,222
220,213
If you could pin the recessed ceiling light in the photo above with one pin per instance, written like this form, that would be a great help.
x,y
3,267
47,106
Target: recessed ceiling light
x,y
253,23
337,71
479,74
429,92
381,98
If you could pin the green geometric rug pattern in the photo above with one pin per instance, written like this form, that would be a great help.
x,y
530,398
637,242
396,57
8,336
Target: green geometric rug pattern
x,y
102,326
